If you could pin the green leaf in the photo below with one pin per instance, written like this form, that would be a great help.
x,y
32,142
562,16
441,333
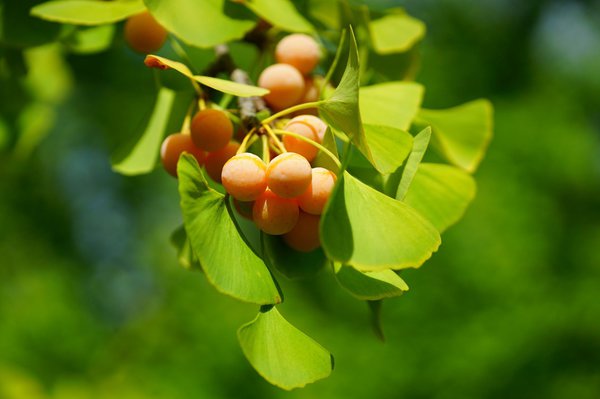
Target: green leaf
x,y
142,156
441,193
376,324
391,104
370,285
282,354
227,260
229,87
396,33
389,146
91,40
280,13
291,263
462,133
87,12
324,161
222,85
185,253
203,23
366,229
341,109
420,144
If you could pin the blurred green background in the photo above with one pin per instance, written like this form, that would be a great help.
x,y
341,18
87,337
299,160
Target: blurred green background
x,y
94,305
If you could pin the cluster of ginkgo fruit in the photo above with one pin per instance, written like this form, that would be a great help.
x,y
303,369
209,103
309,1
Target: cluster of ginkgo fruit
x,y
286,194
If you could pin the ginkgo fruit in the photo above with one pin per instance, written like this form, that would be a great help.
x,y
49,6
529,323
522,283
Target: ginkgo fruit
x,y
273,214
211,129
285,83
244,177
298,50
293,144
308,126
144,34
215,160
319,190
289,174
304,237
173,146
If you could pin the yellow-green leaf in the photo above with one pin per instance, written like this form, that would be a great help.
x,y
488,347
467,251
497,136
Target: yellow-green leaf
x,y
441,193
280,13
87,12
462,133
366,229
282,354
396,33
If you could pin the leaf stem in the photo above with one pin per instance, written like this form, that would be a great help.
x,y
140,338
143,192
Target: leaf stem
x,y
244,144
295,108
185,126
313,143
266,155
275,139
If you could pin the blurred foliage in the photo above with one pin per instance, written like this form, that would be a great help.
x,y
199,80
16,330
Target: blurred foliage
x,y
94,305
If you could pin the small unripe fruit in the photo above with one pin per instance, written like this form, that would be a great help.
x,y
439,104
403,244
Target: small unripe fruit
x,y
285,83
315,197
298,50
288,175
304,237
298,146
144,34
173,146
215,160
273,214
244,177
211,129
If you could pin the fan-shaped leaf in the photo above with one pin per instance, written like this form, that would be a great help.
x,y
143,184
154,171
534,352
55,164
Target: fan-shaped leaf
x,y
391,104
228,262
280,13
370,285
366,229
281,353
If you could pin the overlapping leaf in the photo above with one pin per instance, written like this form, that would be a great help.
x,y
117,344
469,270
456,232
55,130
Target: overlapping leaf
x,y
420,144
228,262
282,354
341,110
281,13
370,285
441,193
392,104
291,263
461,133
366,229
204,23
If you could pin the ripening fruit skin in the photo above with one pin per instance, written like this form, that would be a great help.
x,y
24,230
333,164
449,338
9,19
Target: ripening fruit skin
x,y
304,237
275,215
144,34
288,175
298,50
298,146
173,146
211,129
315,122
244,177
215,160
285,83
315,197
